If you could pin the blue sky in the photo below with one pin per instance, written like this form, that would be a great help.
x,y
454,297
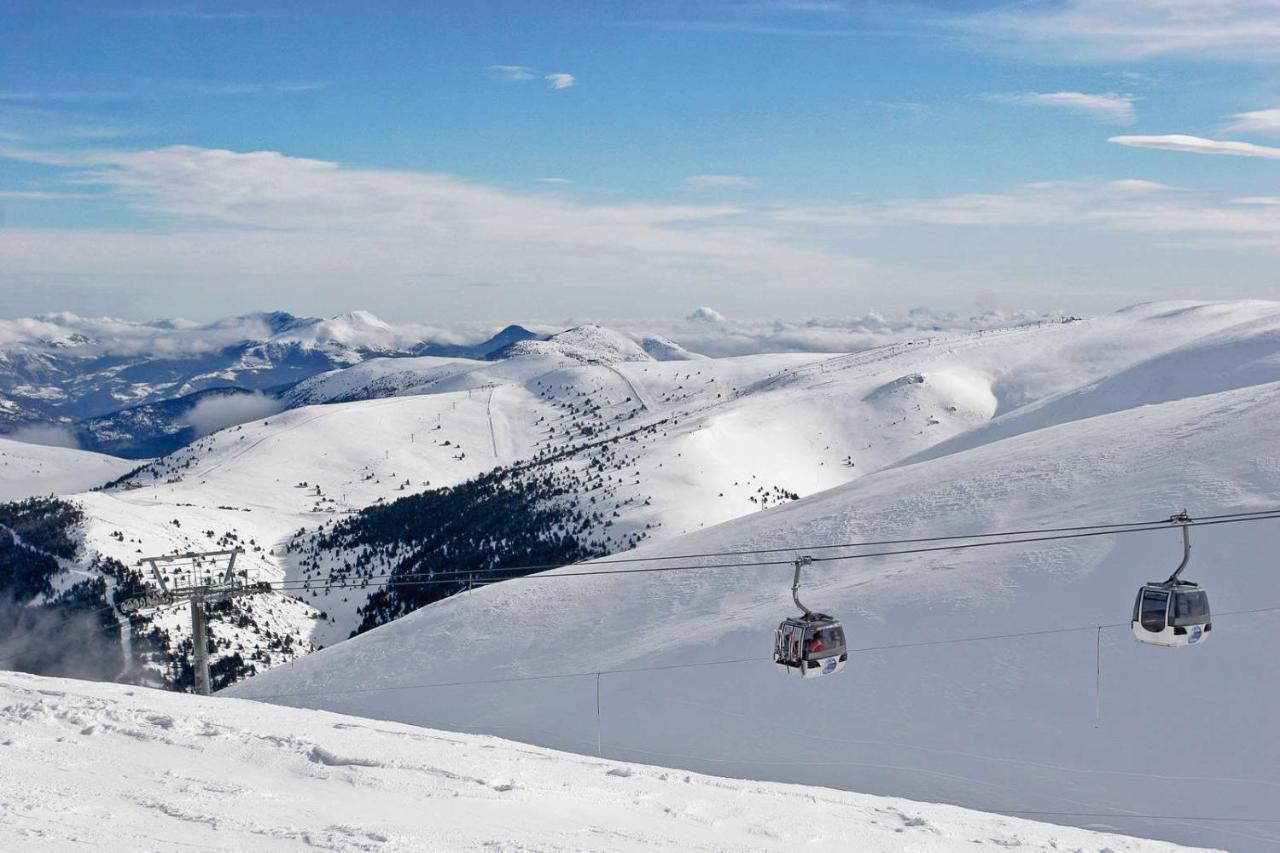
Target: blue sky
x,y
486,161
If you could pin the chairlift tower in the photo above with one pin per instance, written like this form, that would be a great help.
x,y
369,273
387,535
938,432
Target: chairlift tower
x,y
197,578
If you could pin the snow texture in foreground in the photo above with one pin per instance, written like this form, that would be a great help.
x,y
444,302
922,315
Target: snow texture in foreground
x,y
125,768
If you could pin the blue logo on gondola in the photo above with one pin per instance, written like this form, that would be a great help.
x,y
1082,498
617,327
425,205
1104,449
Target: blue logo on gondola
x,y
829,666
1196,633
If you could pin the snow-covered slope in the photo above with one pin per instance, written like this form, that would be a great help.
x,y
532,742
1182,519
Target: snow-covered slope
x,y
664,349
1015,724
589,343
721,438
28,470
92,765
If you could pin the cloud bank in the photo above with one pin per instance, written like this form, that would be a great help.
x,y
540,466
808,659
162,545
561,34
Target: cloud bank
x,y
242,220
1198,145
219,411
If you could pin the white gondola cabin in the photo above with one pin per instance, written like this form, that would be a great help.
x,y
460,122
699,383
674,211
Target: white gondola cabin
x,y
1173,612
810,645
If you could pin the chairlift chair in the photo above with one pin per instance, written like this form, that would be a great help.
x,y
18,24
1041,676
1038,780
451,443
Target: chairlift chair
x,y
1173,612
810,645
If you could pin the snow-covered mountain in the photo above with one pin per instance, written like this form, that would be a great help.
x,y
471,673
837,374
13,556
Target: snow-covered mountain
x,y
1138,414
589,344
123,768
1079,721
123,387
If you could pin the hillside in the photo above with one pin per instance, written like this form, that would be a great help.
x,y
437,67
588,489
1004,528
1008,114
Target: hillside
x,y
115,768
643,451
30,470
124,387
1021,731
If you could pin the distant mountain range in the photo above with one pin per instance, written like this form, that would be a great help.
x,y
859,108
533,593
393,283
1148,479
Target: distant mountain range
x,y
130,389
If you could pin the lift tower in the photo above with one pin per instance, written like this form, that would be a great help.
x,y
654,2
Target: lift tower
x,y
197,578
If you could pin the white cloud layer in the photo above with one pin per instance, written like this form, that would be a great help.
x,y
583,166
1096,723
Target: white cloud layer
x,y
560,80
243,220
218,411
1198,145
1110,105
1256,121
710,332
1131,206
1125,30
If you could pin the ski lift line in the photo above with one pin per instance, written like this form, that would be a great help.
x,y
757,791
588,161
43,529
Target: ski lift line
x,y
1102,529
709,663
1127,527
453,578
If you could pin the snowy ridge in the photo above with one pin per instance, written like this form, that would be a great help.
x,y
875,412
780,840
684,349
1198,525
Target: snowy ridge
x,y
223,774
589,343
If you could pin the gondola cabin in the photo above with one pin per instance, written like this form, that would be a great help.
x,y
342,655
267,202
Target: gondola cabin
x,y
1171,613
810,646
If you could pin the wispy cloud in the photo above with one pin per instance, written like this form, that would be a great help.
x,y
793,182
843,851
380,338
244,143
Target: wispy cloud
x,y
1257,121
510,73
1198,145
1125,30
1109,105
240,216
150,88
1132,205
523,74
719,182
41,195
553,180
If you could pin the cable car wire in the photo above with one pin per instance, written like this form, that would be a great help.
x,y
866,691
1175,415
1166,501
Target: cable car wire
x,y
1154,523
543,573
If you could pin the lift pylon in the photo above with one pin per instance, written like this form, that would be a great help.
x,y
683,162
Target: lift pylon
x,y
198,578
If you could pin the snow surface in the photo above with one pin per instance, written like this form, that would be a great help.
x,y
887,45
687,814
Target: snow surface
x,y
31,470
1001,725
96,765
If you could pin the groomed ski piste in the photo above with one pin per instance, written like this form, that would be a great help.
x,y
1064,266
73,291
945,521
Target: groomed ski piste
x,y
110,767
